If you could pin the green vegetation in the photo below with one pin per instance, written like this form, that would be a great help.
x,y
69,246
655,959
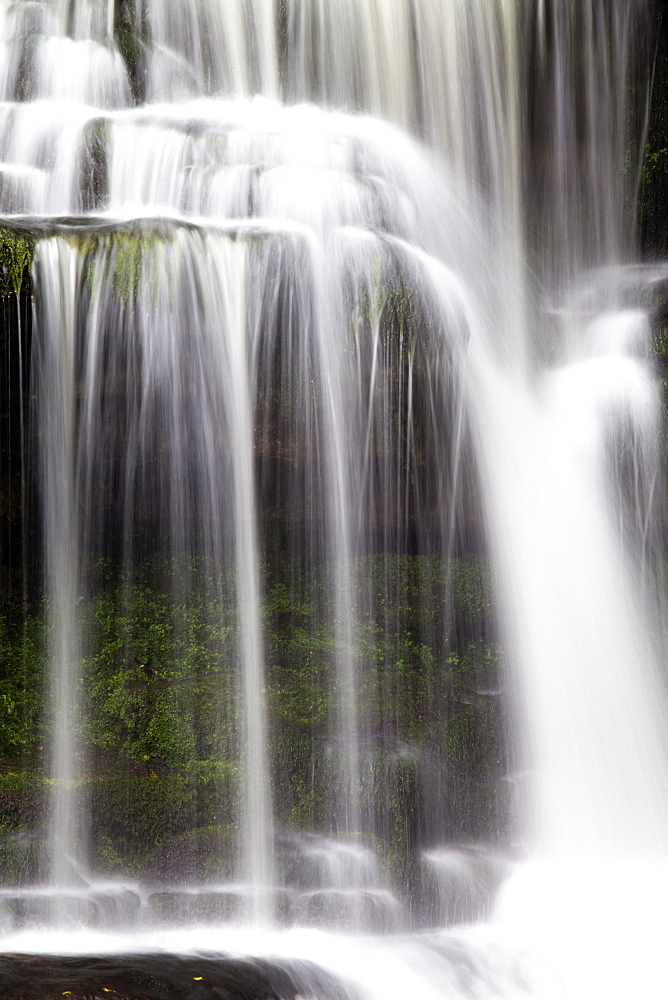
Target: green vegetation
x,y
123,254
153,668
20,688
161,707
16,253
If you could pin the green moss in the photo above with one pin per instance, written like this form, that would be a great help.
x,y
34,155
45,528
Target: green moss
x,y
660,343
23,859
125,255
16,254
22,658
142,819
22,802
155,672
391,306
161,710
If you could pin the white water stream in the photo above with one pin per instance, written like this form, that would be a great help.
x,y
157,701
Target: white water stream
x,y
283,165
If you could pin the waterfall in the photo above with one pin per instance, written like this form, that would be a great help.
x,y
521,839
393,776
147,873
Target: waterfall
x,y
343,440
60,532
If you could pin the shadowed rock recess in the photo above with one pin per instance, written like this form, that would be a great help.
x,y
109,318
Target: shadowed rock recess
x,y
332,502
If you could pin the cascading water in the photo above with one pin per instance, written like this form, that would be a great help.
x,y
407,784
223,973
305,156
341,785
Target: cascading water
x,y
329,310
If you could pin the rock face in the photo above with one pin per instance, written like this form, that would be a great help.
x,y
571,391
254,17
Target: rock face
x,y
162,977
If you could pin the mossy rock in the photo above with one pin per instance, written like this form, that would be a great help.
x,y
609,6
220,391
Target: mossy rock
x,y
135,817
23,799
205,854
94,165
23,859
132,41
16,254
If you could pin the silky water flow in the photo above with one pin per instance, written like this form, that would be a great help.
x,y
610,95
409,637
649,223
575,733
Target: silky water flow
x,y
335,290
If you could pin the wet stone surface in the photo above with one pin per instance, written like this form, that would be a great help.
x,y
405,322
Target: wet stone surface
x,y
162,977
